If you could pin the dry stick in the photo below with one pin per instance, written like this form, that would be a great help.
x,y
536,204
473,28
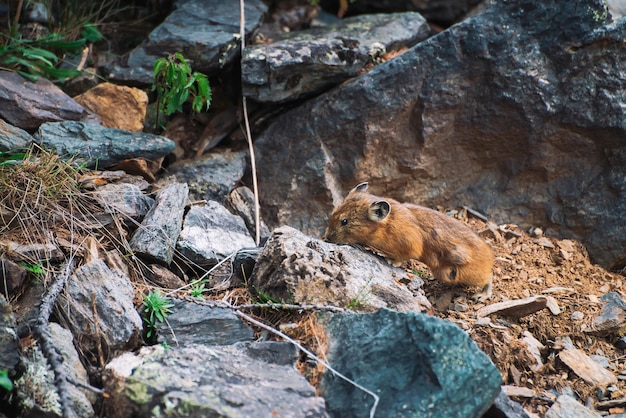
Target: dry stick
x,y
313,356
55,360
255,186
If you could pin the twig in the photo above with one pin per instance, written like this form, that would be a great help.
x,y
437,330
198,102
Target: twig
x,y
55,360
313,356
255,187
476,213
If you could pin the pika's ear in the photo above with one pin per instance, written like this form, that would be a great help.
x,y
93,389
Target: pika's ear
x,y
378,211
360,188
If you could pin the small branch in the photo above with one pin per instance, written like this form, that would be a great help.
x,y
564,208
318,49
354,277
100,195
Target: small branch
x,y
55,360
476,213
313,356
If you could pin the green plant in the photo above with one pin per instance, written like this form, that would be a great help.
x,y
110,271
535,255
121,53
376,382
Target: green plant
x,y
5,380
361,297
11,157
198,289
175,83
157,307
40,57
34,268
264,297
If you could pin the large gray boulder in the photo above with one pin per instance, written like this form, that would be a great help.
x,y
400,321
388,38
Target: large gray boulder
x,y
302,63
508,112
419,366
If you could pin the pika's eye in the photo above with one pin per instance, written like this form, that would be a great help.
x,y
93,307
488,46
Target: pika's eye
x,y
344,222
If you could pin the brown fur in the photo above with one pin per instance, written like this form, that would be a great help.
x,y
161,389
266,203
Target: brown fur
x,y
403,231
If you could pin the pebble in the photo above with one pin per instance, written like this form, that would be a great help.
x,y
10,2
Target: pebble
x,y
577,316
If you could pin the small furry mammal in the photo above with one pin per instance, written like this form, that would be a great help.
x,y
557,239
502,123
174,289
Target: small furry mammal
x,y
403,231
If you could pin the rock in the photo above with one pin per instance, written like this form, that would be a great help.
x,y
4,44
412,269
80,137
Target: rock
x,y
27,105
418,127
13,138
534,347
119,107
243,265
156,237
9,342
163,277
587,369
210,177
444,12
239,380
514,308
82,399
295,268
98,147
612,319
96,287
211,233
124,199
240,201
206,32
417,364
504,407
302,63
566,406
33,253
36,390
518,391
190,324
12,277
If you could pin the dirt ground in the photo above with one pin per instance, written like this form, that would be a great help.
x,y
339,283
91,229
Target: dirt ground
x,y
527,265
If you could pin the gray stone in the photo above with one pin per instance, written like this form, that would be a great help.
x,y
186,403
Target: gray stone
x,y
124,199
98,147
443,12
504,407
156,237
191,323
82,399
302,63
12,277
117,322
501,113
205,32
612,319
9,342
567,407
211,233
240,380
295,268
240,201
418,365
27,105
210,177
36,390
13,138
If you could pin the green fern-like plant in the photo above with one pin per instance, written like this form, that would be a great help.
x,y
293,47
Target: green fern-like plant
x,y
157,307
175,83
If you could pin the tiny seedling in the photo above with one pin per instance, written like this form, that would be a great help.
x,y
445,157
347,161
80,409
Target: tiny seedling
x,y
175,83
157,307
197,290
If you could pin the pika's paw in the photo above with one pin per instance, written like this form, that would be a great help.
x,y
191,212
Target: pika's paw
x,y
484,294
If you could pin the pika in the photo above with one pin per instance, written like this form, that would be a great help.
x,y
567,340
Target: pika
x,y
404,231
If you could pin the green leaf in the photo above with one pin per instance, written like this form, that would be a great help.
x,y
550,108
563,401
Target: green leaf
x,y
91,33
5,381
64,45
